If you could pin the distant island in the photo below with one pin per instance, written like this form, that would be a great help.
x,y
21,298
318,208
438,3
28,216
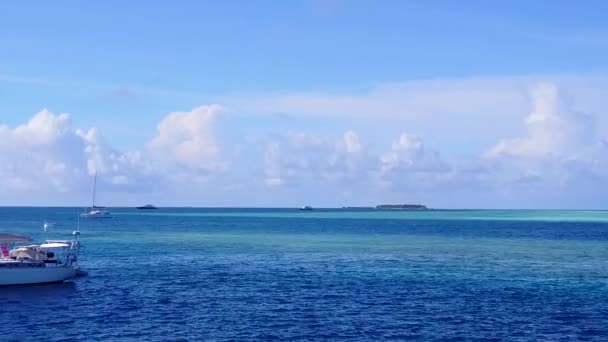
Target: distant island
x,y
401,207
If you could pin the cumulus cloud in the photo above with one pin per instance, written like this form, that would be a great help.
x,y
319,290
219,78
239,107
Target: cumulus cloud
x,y
346,168
187,138
408,154
558,162
120,168
296,158
293,158
482,109
351,142
409,167
552,129
46,151
550,152
48,155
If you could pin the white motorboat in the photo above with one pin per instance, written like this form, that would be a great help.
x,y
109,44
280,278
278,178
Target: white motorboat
x,y
49,262
95,211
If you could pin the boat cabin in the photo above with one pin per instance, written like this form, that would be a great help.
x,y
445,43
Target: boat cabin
x,y
48,254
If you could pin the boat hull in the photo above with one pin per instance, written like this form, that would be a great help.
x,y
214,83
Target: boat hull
x,y
95,216
40,275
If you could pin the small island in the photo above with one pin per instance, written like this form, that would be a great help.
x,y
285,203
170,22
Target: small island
x,y
401,207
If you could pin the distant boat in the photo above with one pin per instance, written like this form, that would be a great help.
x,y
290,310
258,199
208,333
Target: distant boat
x,y
95,211
147,206
306,207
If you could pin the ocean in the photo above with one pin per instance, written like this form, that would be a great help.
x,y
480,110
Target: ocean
x,y
290,275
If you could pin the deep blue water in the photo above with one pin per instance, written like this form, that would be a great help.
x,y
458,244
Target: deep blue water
x,y
280,274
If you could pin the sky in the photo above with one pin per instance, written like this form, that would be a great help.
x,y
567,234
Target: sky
x,y
325,103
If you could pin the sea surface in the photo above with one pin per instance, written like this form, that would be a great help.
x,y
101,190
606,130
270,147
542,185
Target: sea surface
x,y
290,275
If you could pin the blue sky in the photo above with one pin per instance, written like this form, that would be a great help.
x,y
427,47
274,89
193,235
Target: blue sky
x,y
460,77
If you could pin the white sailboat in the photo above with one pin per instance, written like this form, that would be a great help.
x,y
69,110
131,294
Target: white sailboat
x,y
49,262
95,211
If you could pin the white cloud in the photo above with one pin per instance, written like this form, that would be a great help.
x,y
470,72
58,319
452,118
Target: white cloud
x,y
558,162
188,139
47,155
352,143
408,165
43,128
300,158
443,111
535,161
552,129
488,97
406,153
45,152
412,99
120,168
274,171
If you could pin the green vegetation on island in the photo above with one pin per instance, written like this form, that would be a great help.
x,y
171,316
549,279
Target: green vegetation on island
x,y
401,207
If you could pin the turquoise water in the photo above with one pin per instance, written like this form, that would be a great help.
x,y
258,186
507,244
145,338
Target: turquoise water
x,y
501,215
283,274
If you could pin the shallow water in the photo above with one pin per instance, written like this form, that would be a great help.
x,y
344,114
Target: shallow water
x,y
281,274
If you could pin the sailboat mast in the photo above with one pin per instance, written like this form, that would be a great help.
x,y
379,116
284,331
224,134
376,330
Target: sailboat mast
x,y
94,187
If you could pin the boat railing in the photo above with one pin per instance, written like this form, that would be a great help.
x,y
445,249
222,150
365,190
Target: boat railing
x,y
64,262
20,264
